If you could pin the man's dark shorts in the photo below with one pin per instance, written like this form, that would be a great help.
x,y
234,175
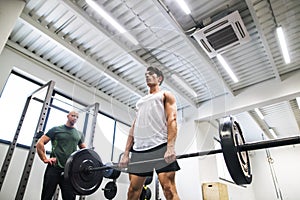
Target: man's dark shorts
x,y
146,168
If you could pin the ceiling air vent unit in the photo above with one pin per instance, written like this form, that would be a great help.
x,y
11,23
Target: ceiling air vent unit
x,y
222,34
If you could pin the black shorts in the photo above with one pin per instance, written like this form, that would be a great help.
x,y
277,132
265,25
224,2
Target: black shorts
x,y
146,168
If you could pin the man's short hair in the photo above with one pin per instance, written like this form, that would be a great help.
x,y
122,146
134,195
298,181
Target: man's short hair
x,y
157,72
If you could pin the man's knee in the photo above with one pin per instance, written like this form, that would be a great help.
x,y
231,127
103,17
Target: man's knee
x,y
133,192
169,194
169,191
133,189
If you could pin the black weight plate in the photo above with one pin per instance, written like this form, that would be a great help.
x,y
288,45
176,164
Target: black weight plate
x,y
237,162
148,180
110,190
116,174
145,194
111,173
84,181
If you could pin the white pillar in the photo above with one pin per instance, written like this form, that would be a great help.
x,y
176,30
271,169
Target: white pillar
x,y
10,10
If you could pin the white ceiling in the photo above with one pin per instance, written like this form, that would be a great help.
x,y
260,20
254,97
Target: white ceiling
x,y
68,36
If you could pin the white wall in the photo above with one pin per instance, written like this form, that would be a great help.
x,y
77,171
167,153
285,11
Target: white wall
x,y
192,137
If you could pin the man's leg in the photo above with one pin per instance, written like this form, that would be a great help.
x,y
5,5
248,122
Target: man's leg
x,y
167,181
135,187
51,179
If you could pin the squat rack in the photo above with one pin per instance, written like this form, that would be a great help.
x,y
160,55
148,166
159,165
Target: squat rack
x,y
37,134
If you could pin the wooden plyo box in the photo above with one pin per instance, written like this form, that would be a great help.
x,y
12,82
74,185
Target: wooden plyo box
x,y
214,191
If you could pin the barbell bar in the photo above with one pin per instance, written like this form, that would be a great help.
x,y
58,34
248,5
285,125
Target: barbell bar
x,y
85,169
244,147
116,165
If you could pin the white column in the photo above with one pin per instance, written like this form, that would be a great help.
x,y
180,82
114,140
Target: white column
x,y
10,10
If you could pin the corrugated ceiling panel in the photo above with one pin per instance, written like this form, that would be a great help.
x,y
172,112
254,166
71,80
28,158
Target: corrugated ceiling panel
x,y
288,16
285,18
285,122
296,111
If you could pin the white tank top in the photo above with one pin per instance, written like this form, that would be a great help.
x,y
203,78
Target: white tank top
x,y
150,128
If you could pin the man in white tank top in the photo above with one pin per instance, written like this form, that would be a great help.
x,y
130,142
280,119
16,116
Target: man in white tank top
x,y
152,136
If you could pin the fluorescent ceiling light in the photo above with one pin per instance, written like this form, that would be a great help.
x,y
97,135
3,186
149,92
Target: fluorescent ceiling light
x,y
184,85
259,113
298,101
283,45
111,20
184,6
227,68
272,132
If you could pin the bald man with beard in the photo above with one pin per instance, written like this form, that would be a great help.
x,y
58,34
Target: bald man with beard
x,y
64,140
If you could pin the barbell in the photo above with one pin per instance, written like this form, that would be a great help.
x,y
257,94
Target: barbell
x,y
85,169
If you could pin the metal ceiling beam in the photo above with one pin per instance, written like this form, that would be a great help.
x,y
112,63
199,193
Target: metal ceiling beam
x,y
263,38
296,111
262,124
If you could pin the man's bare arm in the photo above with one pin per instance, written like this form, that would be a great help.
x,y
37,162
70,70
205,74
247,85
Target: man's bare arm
x,y
40,147
171,118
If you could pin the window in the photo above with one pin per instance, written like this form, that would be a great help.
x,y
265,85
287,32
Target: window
x,y
121,134
12,102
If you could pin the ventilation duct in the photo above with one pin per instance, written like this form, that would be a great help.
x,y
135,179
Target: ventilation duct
x,y
222,34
